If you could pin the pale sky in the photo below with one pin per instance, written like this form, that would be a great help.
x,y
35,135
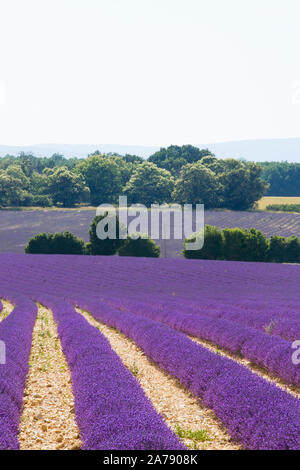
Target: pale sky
x,y
150,72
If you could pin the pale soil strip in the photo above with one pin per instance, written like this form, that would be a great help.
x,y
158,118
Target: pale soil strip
x,y
292,389
6,309
48,419
178,406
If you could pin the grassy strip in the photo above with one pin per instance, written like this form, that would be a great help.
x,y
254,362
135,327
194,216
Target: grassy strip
x,y
283,207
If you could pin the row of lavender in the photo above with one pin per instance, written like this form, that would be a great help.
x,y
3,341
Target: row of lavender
x,y
112,411
271,318
243,294
16,335
271,352
257,413
277,320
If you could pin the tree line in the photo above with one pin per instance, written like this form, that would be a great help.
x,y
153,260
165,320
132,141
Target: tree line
x,y
66,243
283,178
230,244
179,174
237,244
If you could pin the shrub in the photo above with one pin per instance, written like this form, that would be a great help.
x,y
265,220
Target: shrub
x,y
235,244
292,250
212,248
256,245
41,243
107,246
88,248
41,200
284,207
59,243
245,245
141,247
276,249
67,243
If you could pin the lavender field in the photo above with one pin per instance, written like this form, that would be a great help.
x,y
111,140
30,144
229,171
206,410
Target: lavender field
x,y
220,333
16,227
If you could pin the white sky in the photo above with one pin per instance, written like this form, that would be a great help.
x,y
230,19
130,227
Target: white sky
x,y
148,71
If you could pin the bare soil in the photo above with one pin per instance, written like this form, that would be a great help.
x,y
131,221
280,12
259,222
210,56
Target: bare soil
x,y
179,407
48,419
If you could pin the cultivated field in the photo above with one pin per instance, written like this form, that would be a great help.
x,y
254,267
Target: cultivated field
x,y
124,353
17,227
268,200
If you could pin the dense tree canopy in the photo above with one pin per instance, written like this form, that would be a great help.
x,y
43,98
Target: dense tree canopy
x,y
174,157
66,187
142,246
105,245
105,177
55,244
236,244
13,186
183,174
198,185
242,184
149,185
283,177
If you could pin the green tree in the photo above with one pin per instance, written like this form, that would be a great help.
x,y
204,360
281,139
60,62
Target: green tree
x,y
133,158
283,178
213,245
235,244
14,186
39,244
41,200
149,185
66,187
198,185
142,246
39,183
107,246
67,243
59,243
244,245
276,250
242,184
104,177
217,165
257,246
174,157
292,250
7,188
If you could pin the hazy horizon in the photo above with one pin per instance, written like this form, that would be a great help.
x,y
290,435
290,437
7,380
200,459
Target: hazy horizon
x,y
252,150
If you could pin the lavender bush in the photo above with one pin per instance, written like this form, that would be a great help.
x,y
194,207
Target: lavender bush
x,y
16,333
272,353
112,410
259,302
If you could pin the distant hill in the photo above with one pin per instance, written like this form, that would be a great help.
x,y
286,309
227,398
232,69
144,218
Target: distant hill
x,y
77,150
259,150
255,150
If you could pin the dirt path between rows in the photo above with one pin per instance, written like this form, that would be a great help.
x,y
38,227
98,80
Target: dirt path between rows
x,y
292,389
48,419
7,308
180,409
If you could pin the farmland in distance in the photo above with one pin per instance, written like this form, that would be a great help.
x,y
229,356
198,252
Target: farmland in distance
x,y
16,227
